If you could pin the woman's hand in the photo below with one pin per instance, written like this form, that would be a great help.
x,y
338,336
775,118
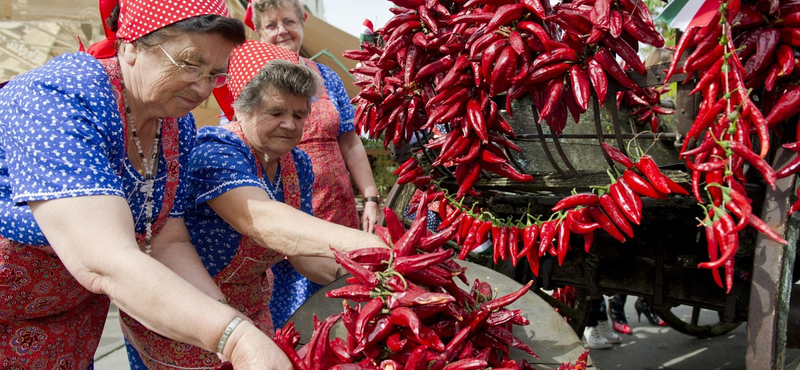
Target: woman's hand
x,y
369,217
250,349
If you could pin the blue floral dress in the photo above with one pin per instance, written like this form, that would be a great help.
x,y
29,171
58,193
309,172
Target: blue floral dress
x,y
63,136
223,161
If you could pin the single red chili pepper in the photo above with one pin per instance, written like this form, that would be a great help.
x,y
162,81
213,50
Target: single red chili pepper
x,y
575,200
547,232
606,60
407,264
650,169
453,218
529,234
762,227
579,81
433,276
768,40
548,72
641,186
368,312
610,208
407,244
538,33
355,293
370,255
625,203
507,171
513,244
405,317
507,299
605,223
787,105
683,44
503,243
756,161
504,15
563,239
561,54
598,78
473,170
393,223
378,331
435,241
495,243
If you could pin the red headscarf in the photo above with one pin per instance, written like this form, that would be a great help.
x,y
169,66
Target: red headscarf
x,y
246,61
140,17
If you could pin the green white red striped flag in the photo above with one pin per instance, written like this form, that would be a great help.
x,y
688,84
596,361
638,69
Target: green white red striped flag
x,y
683,14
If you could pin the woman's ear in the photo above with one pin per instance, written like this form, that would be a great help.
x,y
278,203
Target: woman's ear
x,y
128,53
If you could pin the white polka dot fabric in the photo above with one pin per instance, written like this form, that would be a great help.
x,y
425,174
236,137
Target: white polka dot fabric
x,y
249,58
140,17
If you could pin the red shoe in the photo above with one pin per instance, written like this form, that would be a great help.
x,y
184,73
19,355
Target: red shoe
x,y
622,328
616,313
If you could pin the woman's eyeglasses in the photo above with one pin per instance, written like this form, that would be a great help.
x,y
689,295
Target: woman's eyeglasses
x,y
288,25
189,73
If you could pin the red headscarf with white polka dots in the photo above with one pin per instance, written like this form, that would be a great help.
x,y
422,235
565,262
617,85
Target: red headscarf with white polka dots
x,y
140,17
248,59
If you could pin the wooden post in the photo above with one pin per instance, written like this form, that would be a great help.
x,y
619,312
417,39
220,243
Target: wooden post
x,y
772,277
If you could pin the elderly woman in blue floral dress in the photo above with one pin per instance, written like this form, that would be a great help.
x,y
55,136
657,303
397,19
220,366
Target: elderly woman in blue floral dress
x,y
237,171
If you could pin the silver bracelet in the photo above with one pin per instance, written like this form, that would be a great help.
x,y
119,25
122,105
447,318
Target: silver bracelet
x,y
227,333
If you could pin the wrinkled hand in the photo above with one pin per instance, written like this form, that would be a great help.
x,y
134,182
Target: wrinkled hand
x,y
254,350
369,217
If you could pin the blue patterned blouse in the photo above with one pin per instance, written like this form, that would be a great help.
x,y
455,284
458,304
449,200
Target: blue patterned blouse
x,y
222,162
62,136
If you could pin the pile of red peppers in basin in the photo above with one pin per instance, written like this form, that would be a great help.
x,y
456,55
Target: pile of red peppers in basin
x,y
441,64
411,314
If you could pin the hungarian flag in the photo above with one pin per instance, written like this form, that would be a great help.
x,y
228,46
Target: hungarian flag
x,y
683,14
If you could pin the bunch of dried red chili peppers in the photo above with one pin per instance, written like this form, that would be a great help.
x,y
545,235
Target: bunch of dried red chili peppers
x,y
733,53
411,314
443,61
645,106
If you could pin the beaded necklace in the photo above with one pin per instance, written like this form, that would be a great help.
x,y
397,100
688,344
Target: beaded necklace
x,y
147,172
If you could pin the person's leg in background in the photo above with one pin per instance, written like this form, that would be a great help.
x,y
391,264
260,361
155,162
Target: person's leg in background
x,y
616,311
592,333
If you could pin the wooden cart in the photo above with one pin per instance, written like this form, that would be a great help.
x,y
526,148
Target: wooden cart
x,y
659,263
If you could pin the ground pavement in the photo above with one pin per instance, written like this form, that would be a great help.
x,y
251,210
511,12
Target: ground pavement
x,y
649,347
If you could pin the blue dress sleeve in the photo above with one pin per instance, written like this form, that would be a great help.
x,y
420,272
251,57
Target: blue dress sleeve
x,y
220,162
58,124
338,96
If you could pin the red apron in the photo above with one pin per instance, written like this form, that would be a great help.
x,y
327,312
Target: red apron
x,y
47,319
333,198
246,282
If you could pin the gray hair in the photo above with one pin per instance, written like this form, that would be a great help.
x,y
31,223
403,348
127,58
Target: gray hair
x,y
277,76
262,6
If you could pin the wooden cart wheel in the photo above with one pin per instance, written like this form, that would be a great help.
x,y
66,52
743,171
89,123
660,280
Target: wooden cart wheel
x,y
692,328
